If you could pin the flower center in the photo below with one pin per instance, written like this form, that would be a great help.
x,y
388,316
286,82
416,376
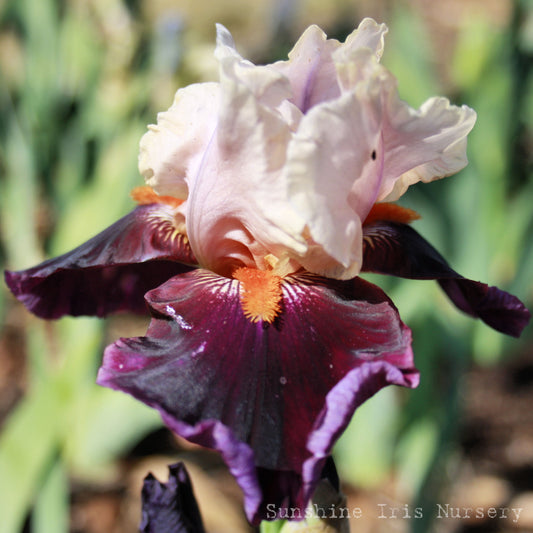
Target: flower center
x,y
260,293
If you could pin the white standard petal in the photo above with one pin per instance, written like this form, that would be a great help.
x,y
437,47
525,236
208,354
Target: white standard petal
x,y
333,172
237,211
363,147
225,41
369,34
418,144
173,148
310,69
424,144
311,66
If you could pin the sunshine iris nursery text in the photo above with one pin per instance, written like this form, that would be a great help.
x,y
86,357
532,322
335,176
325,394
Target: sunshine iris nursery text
x,y
406,512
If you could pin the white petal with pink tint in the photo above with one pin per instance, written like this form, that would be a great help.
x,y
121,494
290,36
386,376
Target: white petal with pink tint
x,y
418,144
280,164
237,211
424,144
330,156
354,150
171,149
311,67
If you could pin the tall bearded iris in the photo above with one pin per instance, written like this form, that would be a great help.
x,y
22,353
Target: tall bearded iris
x,y
267,194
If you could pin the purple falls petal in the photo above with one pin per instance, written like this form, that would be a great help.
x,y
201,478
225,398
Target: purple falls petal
x,y
170,507
398,250
272,398
111,272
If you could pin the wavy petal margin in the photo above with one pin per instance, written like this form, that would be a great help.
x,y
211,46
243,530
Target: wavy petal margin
x,y
111,272
311,66
173,148
170,506
398,250
272,398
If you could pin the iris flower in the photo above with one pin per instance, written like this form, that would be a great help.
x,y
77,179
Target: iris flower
x,y
266,195
170,506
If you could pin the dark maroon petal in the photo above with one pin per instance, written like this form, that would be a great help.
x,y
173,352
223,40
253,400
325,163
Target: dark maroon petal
x,y
272,398
110,272
398,250
170,507
498,309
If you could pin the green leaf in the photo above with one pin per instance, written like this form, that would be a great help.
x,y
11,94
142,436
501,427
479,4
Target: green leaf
x,y
416,76
28,447
105,424
271,527
51,512
415,454
18,200
472,52
363,454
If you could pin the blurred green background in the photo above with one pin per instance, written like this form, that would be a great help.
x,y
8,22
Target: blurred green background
x,y
79,82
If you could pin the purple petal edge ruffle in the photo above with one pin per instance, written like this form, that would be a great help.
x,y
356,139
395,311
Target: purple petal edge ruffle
x,y
272,399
